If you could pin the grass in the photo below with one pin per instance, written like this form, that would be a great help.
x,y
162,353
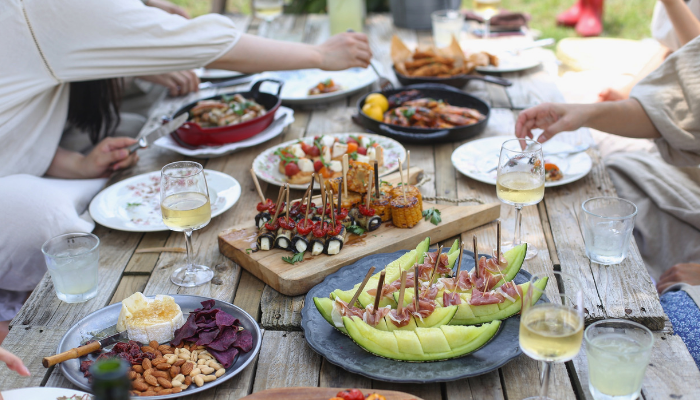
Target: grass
x,y
629,19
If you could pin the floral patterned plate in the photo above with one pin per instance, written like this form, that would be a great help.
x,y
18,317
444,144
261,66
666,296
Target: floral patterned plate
x,y
266,165
478,159
133,205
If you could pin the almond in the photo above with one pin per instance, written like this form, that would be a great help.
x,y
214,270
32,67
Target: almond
x,y
176,390
148,349
164,366
148,372
148,393
165,391
146,364
158,353
165,383
157,389
158,360
161,374
179,363
137,369
153,344
186,368
174,371
132,375
188,380
151,380
164,347
140,386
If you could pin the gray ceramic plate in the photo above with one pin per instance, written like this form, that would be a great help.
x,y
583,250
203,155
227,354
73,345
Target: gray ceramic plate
x,y
102,322
343,352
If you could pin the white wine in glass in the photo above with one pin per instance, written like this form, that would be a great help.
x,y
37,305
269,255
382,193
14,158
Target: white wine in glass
x,y
552,332
520,181
184,203
486,9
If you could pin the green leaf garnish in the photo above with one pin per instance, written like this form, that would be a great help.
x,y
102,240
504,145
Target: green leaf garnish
x,y
295,259
353,155
133,204
433,215
409,112
356,229
285,158
248,250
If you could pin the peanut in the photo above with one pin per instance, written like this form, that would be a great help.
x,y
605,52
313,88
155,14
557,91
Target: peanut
x,y
151,380
140,386
146,364
174,371
180,378
183,356
207,370
199,380
177,350
220,372
200,347
165,383
193,355
195,372
209,378
138,369
214,364
176,383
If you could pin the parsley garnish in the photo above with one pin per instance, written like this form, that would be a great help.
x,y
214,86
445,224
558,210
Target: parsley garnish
x,y
356,229
357,139
409,112
327,82
285,158
296,258
248,250
383,183
353,155
433,215
133,204
226,98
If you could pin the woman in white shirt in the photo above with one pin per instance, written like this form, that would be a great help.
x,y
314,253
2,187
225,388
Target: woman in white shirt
x,y
49,44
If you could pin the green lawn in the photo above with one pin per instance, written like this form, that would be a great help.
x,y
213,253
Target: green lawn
x,y
628,19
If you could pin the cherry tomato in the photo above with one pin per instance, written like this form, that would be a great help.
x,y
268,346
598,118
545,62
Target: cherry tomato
x,y
341,214
305,226
273,227
336,230
313,151
351,140
306,147
318,164
362,150
326,172
287,223
368,212
268,204
351,394
375,396
291,169
352,147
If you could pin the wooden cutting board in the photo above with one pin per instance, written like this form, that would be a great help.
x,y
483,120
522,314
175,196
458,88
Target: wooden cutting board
x,y
237,243
314,393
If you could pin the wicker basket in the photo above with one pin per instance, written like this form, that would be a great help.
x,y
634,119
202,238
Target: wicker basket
x,y
415,14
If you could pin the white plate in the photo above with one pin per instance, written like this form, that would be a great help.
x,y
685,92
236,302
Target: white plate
x,y
475,159
205,73
44,393
266,165
169,143
297,84
513,63
133,205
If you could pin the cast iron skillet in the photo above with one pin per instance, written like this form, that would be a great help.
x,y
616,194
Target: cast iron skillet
x,y
458,81
194,135
405,134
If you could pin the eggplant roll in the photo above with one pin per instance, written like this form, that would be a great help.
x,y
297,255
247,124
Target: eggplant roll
x,y
262,218
335,243
318,245
368,223
348,221
266,239
301,243
284,239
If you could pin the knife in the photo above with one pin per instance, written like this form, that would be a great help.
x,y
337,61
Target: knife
x,y
230,82
83,350
159,132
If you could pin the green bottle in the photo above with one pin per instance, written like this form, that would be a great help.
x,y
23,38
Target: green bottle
x,y
110,380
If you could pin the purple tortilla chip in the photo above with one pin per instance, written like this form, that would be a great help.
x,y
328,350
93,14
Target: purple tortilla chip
x,y
225,358
207,337
206,305
244,341
224,319
226,338
188,330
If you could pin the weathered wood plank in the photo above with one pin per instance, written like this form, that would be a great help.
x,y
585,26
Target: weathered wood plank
x,y
445,179
128,285
249,294
143,263
670,359
486,386
333,376
428,391
286,361
29,343
522,380
280,312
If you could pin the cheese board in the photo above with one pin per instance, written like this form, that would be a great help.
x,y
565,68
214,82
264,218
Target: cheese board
x,y
316,393
239,244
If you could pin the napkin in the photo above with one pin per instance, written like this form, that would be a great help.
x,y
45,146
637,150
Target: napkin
x,y
217,151
503,21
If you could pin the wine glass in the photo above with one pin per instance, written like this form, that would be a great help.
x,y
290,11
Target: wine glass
x,y
486,9
520,181
552,332
184,202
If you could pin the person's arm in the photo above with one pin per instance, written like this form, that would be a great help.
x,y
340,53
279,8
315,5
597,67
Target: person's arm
x,y
13,362
679,273
623,118
109,155
686,26
623,92
168,7
255,54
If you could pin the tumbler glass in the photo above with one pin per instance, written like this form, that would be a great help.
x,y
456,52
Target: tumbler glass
x,y
72,260
607,224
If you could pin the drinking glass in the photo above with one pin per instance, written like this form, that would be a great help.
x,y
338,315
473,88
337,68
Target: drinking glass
x,y
607,224
486,9
72,260
446,23
618,352
268,9
552,332
520,181
184,202
345,15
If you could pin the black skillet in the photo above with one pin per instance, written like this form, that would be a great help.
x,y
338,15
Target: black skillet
x,y
458,81
405,134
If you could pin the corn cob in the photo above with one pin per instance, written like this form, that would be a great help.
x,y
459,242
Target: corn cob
x,y
405,212
381,204
410,191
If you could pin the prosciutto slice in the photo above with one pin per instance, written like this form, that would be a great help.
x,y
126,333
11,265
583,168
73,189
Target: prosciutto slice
x,y
400,319
512,290
394,286
345,310
373,319
429,293
451,299
480,298
425,308
488,275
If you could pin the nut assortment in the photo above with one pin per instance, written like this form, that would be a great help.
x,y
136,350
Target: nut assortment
x,y
173,370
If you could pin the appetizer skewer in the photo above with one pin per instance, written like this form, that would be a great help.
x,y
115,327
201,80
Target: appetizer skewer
x,y
264,206
266,235
302,240
318,243
286,229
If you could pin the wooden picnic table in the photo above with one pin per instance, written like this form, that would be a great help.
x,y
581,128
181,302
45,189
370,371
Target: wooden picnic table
x,y
620,291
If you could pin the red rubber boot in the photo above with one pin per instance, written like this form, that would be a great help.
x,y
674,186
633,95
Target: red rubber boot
x,y
571,16
591,21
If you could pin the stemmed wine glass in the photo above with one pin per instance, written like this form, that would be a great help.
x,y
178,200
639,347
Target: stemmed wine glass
x,y
520,181
486,9
552,332
184,202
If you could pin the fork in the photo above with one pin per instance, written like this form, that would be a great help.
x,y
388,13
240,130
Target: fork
x,y
384,83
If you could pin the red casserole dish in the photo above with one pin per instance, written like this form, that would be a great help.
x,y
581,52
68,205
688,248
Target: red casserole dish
x,y
193,134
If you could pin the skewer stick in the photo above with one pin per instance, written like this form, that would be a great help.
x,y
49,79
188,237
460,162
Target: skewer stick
x,y
323,200
362,286
476,258
277,205
380,287
287,189
416,286
437,262
403,185
376,179
459,259
332,210
345,175
498,241
257,186
408,165
340,195
308,202
401,292
369,193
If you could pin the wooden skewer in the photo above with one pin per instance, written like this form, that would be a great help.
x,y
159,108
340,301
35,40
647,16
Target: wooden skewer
x,y
401,293
459,259
277,205
416,286
362,286
476,258
340,194
498,241
345,175
408,165
369,193
161,250
403,185
380,287
308,202
437,262
376,179
323,199
257,186
332,210
287,189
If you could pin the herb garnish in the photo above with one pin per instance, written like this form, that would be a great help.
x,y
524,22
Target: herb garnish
x,y
295,259
248,250
133,204
285,158
433,215
409,112
356,229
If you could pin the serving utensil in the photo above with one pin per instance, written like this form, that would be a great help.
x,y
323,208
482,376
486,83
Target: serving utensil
x,y
159,132
535,44
83,350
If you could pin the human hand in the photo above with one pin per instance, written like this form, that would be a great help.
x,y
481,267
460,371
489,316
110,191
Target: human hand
x,y
178,83
612,94
13,362
686,273
345,50
551,117
109,155
169,7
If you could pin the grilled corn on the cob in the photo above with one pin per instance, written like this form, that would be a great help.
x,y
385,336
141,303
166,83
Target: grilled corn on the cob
x,y
405,211
410,191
